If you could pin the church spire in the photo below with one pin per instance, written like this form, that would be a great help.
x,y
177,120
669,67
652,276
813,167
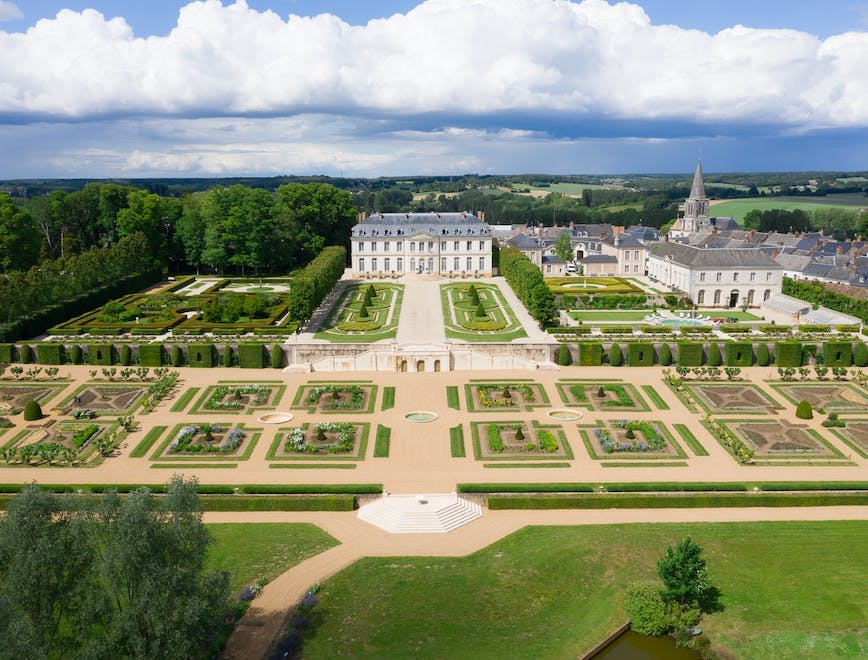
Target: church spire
x,y
697,190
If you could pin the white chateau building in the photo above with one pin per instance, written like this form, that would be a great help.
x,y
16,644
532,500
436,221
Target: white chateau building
x,y
723,277
446,244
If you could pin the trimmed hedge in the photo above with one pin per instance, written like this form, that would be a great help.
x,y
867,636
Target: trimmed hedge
x,y
6,353
151,355
25,354
176,356
201,355
640,354
278,502
74,355
313,284
788,354
564,357
713,358
526,488
251,356
689,354
125,355
739,354
762,355
838,353
100,354
860,354
226,355
49,353
616,358
590,355
664,356
655,500
276,356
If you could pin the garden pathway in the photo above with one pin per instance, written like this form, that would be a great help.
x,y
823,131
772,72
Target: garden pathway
x,y
421,319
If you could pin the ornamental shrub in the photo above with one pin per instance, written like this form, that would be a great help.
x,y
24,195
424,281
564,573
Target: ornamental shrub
x,y
519,434
49,353
739,354
124,355
601,392
788,354
713,355
860,354
689,354
32,411
664,357
480,311
640,354
201,355
6,353
616,358
648,612
590,354
804,410
176,356
276,357
150,355
100,354
227,355
564,356
25,354
251,356
762,355
75,354
838,353
363,311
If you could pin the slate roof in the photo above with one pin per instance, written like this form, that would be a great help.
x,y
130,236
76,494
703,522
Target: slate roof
x,y
694,257
599,259
523,242
626,241
552,259
406,224
697,190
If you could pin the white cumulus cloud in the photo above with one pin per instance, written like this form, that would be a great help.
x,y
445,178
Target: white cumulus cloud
x,y
451,58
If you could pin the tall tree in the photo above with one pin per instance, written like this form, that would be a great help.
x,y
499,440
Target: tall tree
x,y
564,247
19,237
685,577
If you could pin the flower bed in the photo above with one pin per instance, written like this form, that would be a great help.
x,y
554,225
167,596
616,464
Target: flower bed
x,y
206,439
491,397
596,395
514,440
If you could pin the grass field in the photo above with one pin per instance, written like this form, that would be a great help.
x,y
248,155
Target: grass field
x,y
793,589
250,552
609,316
738,208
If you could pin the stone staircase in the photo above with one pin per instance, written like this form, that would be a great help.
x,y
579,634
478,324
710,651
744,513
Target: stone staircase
x,y
420,514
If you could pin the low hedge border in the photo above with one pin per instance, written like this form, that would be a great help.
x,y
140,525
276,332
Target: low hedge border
x,y
212,489
656,501
661,486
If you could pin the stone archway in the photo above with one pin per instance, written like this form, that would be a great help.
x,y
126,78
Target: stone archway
x,y
403,366
436,365
420,365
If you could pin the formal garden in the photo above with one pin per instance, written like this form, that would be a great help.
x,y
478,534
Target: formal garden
x,y
233,397
105,399
844,398
601,395
599,286
478,313
326,440
505,396
852,432
64,443
773,442
204,443
363,312
336,397
729,398
518,441
630,439
13,397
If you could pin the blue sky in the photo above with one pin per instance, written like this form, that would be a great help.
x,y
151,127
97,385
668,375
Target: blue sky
x,y
166,88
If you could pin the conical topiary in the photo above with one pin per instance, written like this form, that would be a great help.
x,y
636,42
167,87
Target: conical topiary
x,y
564,356
616,358
762,355
32,411
519,434
601,392
665,355
480,310
804,410
630,435
363,311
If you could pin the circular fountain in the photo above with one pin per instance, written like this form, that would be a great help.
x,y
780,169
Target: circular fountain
x,y
565,414
276,418
421,416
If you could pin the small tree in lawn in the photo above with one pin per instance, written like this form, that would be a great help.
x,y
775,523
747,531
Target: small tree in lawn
x,y
685,578
648,612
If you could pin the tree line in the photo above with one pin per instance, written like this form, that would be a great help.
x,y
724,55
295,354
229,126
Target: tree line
x,y
119,577
834,221
225,229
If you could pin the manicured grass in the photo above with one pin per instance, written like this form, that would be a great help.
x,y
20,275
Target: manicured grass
x,y
690,439
381,443
264,550
456,441
388,398
611,316
554,592
628,464
193,466
313,466
452,397
147,442
655,397
526,465
184,400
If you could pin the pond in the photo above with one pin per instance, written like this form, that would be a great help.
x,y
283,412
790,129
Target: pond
x,y
633,646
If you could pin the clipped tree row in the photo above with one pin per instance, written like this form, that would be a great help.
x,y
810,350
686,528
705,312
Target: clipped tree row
x,y
527,282
313,284
820,295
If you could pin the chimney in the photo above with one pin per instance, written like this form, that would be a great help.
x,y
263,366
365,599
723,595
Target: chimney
x,y
362,216
482,215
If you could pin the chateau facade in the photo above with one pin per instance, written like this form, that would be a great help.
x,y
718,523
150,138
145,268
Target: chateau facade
x,y
446,244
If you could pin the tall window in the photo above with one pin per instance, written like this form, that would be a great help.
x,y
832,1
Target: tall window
x,y
750,297
385,246
481,263
718,277
400,265
399,245
455,265
735,276
769,276
469,263
701,277
413,265
374,265
442,245
700,297
442,264
468,245
717,297
386,265
636,255
373,246
753,277
455,246
361,246
412,246
481,245
430,265
430,246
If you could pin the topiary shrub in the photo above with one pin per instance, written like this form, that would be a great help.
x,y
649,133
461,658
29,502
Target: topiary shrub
x,y
640,354
480,311
630,435
227,355
804,410
601,392
75,354
788,354
25,354
564,356
176,356
762,355
860,354
739,354
519,434
616,358
689,354
49,353
838,353
713,355
124,355
150,355
276,357
664,358
32,411
201,355
251,356
590,355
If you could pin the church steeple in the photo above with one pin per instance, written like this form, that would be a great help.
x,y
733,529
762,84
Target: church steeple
x,y
697,190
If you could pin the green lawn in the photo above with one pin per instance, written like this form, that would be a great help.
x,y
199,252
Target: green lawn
x,y
263,550
611,315
738,208
790,589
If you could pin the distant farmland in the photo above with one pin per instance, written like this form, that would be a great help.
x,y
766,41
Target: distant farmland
x,y
738,208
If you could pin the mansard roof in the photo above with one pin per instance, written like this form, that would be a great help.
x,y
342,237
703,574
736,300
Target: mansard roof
x,y
435,224
694,257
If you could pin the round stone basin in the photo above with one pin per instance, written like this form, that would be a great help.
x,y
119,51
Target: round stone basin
x,y
565,414
276,418
421,416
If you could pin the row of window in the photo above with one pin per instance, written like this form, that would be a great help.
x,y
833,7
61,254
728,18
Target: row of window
x,y
718,277
399,246
422,265
700,297
627,255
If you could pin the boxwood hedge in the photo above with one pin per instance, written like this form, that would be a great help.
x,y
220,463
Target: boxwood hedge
x,y
739,354
838,353
689,354
788,354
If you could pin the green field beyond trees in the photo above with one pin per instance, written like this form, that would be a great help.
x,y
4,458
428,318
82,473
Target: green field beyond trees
x,y
738,208
791,589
